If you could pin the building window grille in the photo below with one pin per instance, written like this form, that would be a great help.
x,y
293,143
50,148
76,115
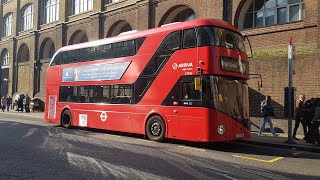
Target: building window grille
x,y
51,12
80,6
7,30
27,17
270,12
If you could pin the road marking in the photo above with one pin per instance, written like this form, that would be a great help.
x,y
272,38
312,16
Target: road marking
x,y
186,147
261,160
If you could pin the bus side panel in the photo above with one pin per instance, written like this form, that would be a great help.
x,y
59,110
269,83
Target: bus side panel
x,y
187,123
232,127
108,117
52,90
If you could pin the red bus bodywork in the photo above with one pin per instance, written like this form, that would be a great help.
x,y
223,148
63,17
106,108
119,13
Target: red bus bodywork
x,y
185,123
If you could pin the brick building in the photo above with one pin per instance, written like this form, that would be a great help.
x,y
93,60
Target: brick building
x,y
32,30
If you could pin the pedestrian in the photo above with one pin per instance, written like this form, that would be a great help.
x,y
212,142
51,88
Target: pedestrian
x,y
16,99
267,113
308,114
3,103
20,103
23,102
299,118
9,101
27,103
314,135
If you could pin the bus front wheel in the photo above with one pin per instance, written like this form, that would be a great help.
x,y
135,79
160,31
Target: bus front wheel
x,y
66,119
156,128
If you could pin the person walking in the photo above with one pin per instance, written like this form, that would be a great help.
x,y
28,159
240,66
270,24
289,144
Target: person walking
x,y
27,103
9,102
3,103
314,135
20,103
267,113
308,114
299,118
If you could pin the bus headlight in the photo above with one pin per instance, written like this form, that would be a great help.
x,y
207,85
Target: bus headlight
x,y
221,130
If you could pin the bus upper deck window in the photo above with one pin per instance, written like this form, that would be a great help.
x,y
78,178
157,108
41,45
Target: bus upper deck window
x,y
171,42
229,41
189,38
205,36
57,60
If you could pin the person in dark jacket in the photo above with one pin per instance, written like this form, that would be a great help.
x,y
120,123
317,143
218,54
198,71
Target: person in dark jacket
x,y
20,103
314,135
267,113
9,102
299,117
308,114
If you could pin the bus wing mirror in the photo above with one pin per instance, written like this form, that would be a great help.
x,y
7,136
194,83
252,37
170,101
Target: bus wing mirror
x,y
257,76
197,83
245,37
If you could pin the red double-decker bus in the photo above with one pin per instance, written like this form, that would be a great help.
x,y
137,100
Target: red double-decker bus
x,y
183,81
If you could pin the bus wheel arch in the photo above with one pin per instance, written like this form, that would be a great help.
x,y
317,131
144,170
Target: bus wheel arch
x,y
66,118
155,128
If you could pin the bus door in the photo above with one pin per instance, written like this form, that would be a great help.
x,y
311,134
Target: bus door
x,y
186,119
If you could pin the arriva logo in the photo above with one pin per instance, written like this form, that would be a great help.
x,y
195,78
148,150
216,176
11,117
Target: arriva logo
x,y
175,66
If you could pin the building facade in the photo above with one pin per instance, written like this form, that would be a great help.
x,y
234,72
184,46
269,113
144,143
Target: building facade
x,y
32,30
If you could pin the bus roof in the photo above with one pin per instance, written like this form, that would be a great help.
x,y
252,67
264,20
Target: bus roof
x,y
166,28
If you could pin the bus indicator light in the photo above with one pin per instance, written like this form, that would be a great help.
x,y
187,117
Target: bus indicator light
x,y
221,130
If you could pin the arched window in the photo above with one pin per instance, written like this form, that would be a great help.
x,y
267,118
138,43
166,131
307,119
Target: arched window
x,y
80,6
269,12
178,13
78,37
7,29
185,15
27,17
47,49
23,53
51,50
51,12
5,58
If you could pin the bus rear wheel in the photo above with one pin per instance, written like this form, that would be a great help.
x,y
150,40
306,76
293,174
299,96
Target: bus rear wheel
x,y
66,119
156,128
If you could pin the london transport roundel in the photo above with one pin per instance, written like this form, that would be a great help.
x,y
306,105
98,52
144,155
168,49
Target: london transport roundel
x,y
103,116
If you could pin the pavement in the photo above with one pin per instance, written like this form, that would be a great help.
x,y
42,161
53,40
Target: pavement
x,y
280,141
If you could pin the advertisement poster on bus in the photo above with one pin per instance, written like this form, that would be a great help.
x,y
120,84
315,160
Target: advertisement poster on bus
x,y
113,71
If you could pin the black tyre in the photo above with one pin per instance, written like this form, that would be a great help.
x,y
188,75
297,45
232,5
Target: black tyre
x,y
156,128
66,119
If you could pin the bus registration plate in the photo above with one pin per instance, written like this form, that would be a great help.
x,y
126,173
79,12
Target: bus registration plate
x,y
240,135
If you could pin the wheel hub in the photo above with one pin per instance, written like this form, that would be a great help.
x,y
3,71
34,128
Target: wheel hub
x,y
155,129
